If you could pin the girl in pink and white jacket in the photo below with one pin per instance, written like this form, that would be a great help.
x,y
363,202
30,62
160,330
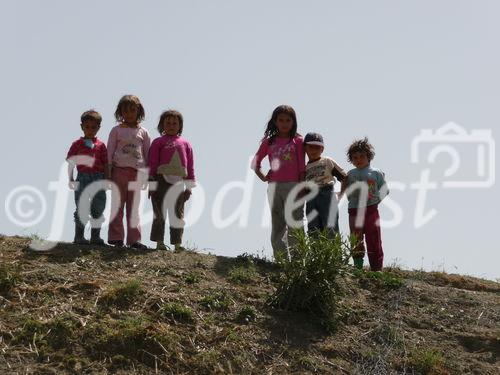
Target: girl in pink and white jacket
x,y
128,149
171,166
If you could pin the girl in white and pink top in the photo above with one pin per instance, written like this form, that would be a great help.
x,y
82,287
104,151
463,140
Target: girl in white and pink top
x,y
128,149
285,150
171,166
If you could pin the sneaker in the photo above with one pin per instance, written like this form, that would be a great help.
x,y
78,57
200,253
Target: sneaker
x,y
138,246
116,243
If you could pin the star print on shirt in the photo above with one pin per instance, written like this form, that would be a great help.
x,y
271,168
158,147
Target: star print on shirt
x,y
174,167
287,156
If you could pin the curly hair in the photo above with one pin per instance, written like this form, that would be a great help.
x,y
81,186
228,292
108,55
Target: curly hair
x,y
91,114
272,130
126,101
170,113
361,145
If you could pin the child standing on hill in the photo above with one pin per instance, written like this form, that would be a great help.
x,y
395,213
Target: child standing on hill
x,y
322,171
171,165
89,171
128,148
284,148
365,188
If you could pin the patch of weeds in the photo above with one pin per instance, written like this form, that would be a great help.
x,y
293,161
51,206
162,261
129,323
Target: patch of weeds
x,y
216,300
242,274
62,331
427,361
207,362
247,314
192,278
313,278
309,363
56,333
122,294
74,363
386,334
132,338
386,280
177,312
9,276
32,330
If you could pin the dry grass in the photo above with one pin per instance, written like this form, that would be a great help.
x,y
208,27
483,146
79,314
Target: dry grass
x,y
95,311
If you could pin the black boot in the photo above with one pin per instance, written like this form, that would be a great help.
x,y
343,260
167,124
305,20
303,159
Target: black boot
x,y
95,237
79,237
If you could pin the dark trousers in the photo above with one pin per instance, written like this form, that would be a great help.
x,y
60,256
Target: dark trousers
x,y
163,205
324,203
368,232
97,203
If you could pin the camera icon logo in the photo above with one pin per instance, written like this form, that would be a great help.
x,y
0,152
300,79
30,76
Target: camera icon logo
x,y
472,155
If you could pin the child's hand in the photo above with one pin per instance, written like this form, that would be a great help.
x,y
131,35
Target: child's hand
x,y
187,195
73,185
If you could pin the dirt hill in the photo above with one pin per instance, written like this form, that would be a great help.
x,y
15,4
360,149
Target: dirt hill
x,y
92,310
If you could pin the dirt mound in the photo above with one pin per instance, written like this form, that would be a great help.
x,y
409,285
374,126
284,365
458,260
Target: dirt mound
x,y
97,310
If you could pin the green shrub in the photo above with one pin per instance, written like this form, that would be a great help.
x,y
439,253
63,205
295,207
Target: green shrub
x,y
426,361
247,314
312,278
387,280
242,274
122,294
192,278
217,300
177,312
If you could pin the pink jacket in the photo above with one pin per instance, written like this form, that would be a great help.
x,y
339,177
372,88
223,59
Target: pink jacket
x,y
172,156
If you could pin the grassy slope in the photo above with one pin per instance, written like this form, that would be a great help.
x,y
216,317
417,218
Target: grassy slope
x,y
86,310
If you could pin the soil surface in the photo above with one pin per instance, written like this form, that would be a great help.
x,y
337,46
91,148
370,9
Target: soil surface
x,y
93,310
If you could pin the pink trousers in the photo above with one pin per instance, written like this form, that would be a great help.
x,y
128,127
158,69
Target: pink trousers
x,y
125,199
369,232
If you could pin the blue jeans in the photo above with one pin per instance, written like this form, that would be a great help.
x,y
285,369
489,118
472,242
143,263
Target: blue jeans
x,y
324,203
97,204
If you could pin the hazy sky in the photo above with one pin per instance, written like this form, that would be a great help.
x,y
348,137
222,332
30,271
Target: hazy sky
x,y
385,69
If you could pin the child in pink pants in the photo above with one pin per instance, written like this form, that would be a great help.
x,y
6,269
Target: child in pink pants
x,y
128,148
365,188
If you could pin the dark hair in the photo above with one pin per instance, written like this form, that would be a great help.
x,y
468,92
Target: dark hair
x,y
171,113
91,114
361,145
126,101
272,130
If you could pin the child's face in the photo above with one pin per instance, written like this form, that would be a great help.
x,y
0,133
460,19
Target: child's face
x,y
90,128
130,114
360,160
313,151
284,123
171,125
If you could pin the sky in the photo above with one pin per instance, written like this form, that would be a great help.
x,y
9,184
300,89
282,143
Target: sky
x,y
386,70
